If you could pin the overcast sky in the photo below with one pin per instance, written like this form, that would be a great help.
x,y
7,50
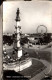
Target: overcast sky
x,y
32,15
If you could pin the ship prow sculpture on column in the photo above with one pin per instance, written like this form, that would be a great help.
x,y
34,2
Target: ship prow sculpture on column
x,y
21,62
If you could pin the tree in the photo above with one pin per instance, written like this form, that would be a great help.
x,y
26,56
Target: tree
x,y
24,40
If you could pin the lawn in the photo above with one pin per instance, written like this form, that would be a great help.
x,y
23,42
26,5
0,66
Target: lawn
x,y
36,67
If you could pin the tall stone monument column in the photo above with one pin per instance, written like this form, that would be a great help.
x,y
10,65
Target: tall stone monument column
x,y
18,27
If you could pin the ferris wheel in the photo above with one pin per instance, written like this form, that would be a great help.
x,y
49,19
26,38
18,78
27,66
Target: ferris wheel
x,y
42,29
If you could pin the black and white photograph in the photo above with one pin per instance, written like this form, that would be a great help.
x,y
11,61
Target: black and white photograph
x,y
27,40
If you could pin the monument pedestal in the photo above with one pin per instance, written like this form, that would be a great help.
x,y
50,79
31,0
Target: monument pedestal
x,y
18,65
